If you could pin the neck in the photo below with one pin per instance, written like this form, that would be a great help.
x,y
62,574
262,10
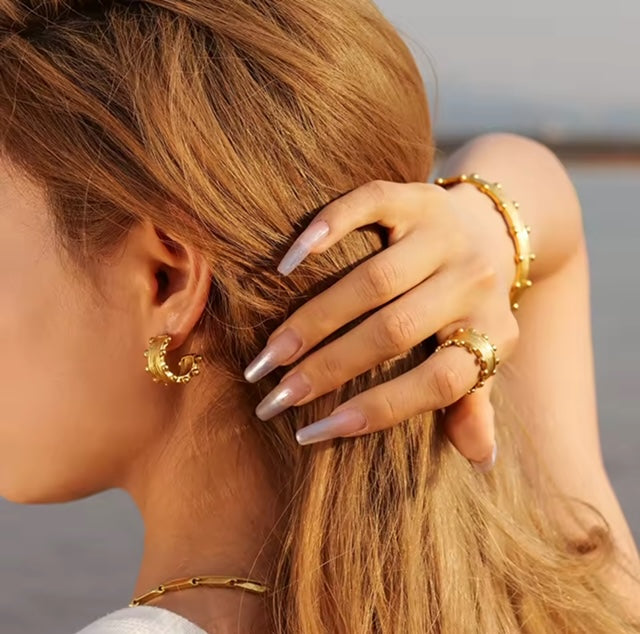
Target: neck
x,y
207,513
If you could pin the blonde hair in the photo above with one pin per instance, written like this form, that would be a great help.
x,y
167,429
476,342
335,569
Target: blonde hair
x,y
229,123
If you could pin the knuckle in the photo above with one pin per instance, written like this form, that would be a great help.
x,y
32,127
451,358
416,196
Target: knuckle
x,y
389,413
396,331
376,191
446,384
379,280
331,369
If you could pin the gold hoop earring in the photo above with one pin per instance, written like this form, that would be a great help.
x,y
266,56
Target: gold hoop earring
x,y
158,367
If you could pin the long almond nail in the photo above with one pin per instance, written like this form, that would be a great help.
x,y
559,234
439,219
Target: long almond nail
x,y
347,421
287,393
301,248
286,344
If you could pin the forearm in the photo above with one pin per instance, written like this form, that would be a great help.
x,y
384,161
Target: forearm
x,y
553,392
533,176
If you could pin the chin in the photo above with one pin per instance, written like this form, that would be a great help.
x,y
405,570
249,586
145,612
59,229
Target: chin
x,y
13,492
43,490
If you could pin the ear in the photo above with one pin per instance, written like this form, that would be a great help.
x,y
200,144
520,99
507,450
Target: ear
x,y
173,282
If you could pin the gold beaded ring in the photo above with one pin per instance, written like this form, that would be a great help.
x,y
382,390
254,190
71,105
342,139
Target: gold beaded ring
x,y
518,231
479,345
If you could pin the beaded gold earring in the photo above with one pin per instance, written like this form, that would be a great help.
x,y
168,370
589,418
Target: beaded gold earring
x,y
159,369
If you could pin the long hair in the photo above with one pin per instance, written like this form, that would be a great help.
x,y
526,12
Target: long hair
x,y
229,123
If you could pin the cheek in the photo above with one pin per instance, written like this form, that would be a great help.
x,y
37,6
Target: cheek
x,y
73,410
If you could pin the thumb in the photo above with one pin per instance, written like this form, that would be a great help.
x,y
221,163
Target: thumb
x,y
470,426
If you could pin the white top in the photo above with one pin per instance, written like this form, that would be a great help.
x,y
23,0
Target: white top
x,y
142,619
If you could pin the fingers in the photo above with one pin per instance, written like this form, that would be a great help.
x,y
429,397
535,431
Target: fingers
x,y
441,380
382,277
374,202
436,276
390,331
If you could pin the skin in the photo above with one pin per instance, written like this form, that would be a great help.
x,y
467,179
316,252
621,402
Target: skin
x,y
555,392
131,433
99,421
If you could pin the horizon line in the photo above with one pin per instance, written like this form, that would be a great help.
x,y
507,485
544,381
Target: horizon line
x,y
577,148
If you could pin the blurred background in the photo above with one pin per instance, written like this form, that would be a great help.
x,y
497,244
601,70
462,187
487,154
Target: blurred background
x,y
563,71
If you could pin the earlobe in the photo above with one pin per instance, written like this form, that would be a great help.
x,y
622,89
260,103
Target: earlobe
x,y
173,322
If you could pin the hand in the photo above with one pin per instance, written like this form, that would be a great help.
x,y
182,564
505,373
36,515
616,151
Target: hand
x,y
443,279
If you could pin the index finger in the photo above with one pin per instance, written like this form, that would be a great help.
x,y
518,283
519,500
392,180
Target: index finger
x,y
375,202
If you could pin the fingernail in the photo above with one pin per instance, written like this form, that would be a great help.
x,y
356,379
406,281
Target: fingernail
x,y
302,246
287,343
347,421
486,465
288,392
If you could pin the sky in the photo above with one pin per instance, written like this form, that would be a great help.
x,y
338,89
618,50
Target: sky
x,y
563,66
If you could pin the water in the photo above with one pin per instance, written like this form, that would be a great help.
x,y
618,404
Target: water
x,y
611,203
61,566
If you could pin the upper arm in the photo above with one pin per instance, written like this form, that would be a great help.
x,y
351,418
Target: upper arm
x,y
550,380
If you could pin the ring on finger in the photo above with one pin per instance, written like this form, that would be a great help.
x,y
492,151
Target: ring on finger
x,y
479,345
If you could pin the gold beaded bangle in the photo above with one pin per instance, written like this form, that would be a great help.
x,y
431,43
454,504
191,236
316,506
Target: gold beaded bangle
x,y
518,231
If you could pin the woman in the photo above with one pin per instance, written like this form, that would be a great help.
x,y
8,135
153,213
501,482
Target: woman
x,y
158,159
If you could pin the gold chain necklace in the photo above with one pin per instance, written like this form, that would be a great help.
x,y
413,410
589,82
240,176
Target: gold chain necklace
x,y
193,582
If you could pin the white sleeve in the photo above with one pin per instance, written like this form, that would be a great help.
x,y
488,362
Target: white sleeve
x,y
142,619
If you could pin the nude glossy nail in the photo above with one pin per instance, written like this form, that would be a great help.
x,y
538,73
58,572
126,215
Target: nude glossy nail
x,y
286,344
287,393
486,465
302,246
347,421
